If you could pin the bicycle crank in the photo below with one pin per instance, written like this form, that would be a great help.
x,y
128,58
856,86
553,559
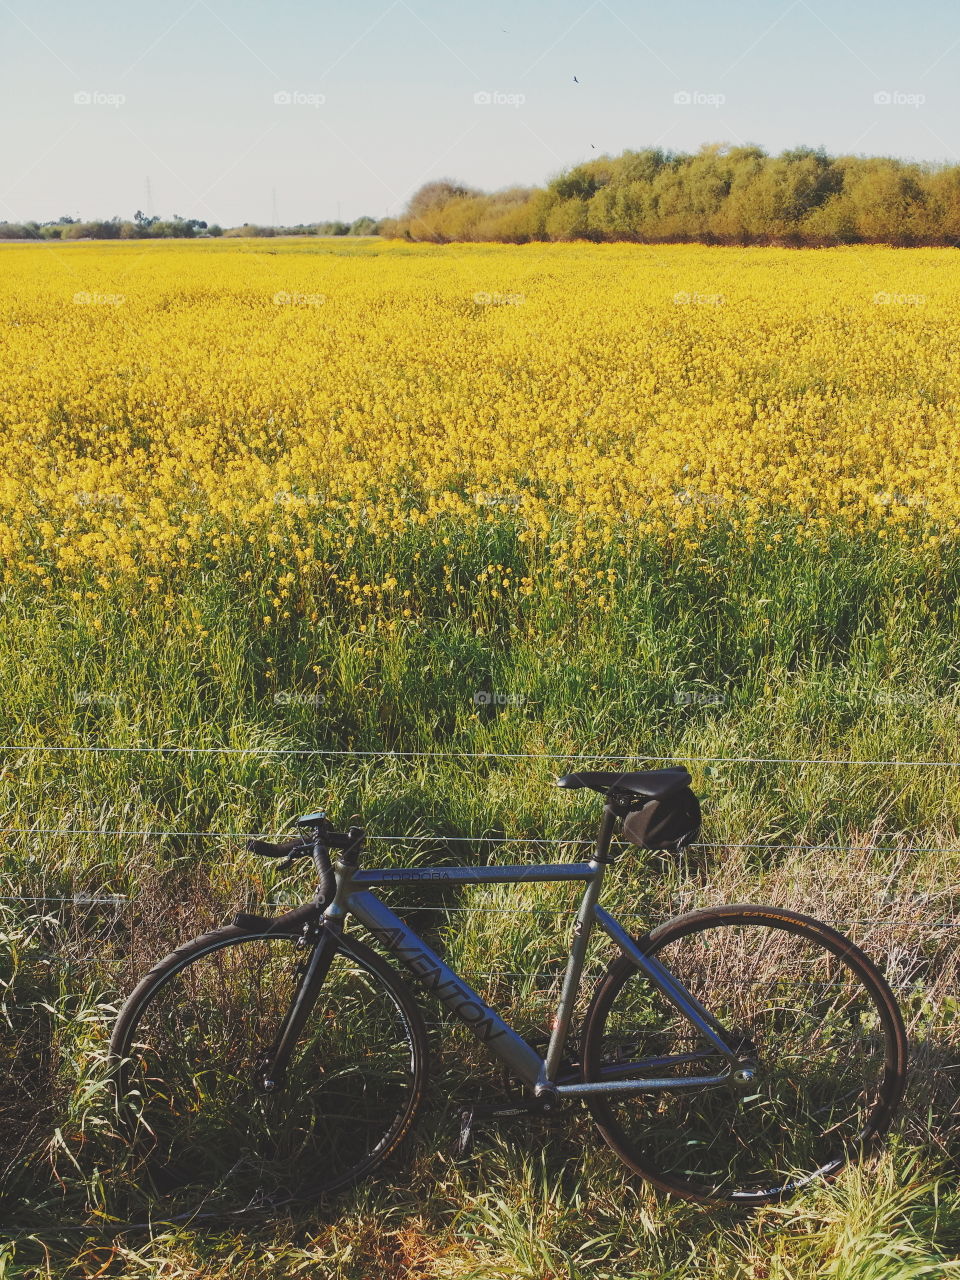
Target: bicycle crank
x,y
547,1105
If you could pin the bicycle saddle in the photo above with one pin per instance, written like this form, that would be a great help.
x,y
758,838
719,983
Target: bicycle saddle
x,y
653,784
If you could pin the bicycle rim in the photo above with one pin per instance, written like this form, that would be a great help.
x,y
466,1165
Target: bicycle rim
x,y
804,1004
192,1044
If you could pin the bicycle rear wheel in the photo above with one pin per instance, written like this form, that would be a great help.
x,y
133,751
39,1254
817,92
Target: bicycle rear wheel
x,y
190,1047
802,1001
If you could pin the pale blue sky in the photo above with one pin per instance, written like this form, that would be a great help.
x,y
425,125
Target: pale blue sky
x,y
182,93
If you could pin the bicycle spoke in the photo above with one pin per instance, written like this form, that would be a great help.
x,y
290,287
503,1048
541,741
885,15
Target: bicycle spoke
x,y
197,1050
812,1027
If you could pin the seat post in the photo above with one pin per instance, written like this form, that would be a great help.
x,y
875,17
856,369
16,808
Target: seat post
x,y
605,834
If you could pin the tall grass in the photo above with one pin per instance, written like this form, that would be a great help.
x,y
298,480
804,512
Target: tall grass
x,y
847,650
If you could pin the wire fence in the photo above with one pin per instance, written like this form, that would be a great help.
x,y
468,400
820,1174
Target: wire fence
x,y
421,838
499,842
101,943
568,842
923,912
182,749
65,914
950,922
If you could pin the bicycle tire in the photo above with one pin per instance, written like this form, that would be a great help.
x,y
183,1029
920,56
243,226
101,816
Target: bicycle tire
x,y
184,1031
716,1145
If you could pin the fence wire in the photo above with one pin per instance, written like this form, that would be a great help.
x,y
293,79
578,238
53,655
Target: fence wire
x,y
182,749
500,840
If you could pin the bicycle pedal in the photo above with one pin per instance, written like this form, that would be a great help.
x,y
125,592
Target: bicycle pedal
x,y
465,1141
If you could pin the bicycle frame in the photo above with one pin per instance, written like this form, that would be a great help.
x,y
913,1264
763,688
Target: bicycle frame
x,y
354,897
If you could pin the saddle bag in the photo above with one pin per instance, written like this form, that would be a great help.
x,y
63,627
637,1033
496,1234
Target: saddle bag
x,y
670,823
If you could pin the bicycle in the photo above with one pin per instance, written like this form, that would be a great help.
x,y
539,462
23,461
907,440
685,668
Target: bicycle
x,y
733,1054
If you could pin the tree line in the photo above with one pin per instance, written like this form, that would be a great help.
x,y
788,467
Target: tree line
x,y
718,195
142,227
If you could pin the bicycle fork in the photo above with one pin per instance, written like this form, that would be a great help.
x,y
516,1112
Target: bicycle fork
x,y
326,941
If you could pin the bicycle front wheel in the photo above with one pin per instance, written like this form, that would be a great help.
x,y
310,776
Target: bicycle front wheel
x,y
190,1048
801,1002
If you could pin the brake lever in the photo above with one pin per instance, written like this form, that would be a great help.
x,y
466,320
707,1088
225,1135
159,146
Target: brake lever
x,y
305,849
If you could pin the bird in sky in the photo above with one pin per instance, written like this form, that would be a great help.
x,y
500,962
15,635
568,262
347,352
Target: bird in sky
x,y
575,80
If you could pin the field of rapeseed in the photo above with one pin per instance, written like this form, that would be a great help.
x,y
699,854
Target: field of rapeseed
x,y
495,507
169,407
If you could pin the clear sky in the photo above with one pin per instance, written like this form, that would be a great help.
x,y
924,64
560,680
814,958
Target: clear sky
x,y
239,110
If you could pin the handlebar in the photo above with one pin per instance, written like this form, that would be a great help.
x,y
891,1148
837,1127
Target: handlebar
x,y
317,845
289,849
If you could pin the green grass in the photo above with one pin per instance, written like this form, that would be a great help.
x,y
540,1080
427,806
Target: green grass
x,y
848,650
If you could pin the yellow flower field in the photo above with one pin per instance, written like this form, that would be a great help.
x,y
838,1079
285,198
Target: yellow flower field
x,y
166,405
405,531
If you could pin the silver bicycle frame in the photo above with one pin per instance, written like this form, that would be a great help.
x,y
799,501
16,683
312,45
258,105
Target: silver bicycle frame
x,y
354,897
